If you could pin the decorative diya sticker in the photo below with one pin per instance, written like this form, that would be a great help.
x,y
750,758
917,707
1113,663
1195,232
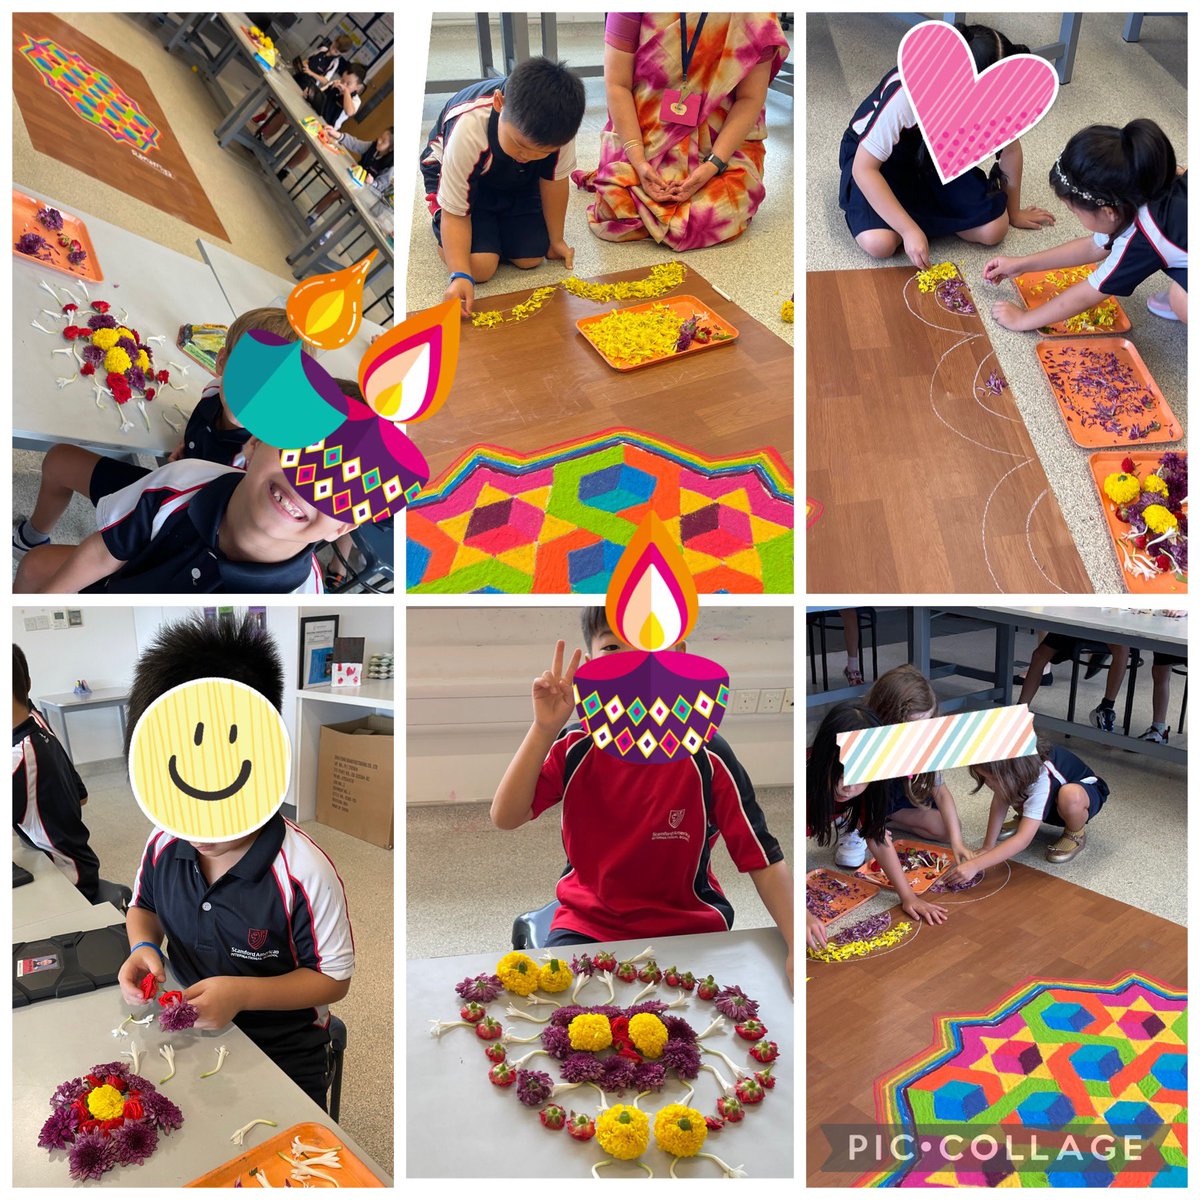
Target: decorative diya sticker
x,y
651,703
936,744
345,457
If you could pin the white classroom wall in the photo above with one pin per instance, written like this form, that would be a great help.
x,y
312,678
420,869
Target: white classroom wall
x,y
469,674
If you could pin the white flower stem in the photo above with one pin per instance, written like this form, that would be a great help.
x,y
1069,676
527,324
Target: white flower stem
x,y
680,1000
645,954
638,1097
168,1053
519,1062
606,1162
721,1083
608,979
716,1027
560,1089
730,1172
136,1055
644,992
737,1071
511,1039
239,1135
603,1097
437,1028
222,1054
520,1015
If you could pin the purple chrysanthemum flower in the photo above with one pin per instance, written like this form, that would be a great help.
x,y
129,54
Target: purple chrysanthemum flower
x,y
75,257
91,1155
119,1068
556,1041
657,1007
59,1130
678,1028
619,1073
51,219
650,1077
66,1093
733,1003
135,1141
162,1111
681,1057
581,1067
175,1017
136,377
483,988
101,321
606,1010
533,1087
128,345
582,964
139,1083
567,1013
93,354
34,244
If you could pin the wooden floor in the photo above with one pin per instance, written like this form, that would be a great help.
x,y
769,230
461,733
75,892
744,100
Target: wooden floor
x,y
866,1018
536,383
56,129
926,486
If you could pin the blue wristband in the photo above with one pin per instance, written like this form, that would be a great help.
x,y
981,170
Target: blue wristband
x,y
462,275
157,949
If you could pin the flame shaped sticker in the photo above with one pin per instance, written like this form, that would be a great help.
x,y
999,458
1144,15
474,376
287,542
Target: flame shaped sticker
x,y
326,310
651,603
407,373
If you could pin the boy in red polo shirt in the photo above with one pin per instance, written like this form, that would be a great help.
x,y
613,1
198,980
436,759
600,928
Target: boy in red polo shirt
x,y
638,836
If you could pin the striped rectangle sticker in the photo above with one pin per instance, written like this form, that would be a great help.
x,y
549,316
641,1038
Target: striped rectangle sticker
x,y
936,744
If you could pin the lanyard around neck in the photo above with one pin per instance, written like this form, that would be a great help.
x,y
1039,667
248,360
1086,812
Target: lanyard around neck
x,y
687,50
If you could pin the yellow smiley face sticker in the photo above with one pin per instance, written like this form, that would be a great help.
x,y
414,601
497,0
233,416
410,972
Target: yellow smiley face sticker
x,y
210,760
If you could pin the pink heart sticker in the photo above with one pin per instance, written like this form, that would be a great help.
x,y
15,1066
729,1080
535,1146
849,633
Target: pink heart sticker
x,y
966,117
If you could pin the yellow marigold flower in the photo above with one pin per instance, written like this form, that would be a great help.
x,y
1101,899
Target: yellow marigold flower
x,y
117,361
122,332
788,312
862,947
928,279
662,278
106,339
590,1031
555,976
1121,488
105,1102
648,1034
623,1131
143,360
485,320
1159,519
633,337
518,972
680,1130
1152,483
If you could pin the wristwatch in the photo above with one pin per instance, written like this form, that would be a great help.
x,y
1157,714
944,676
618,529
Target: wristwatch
x,y
719,163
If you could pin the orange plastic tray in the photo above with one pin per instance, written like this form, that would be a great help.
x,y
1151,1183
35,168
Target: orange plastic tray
x,y
685,306
1092,436
919,880
1032,279
25,211
860,892
353,1173
1103,465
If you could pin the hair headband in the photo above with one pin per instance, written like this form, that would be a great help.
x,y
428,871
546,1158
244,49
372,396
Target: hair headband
x,y
1078,191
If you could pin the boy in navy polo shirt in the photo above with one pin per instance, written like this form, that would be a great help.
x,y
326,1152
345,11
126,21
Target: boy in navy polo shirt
x,y
212,434
258,928
47,791
497,172
621,881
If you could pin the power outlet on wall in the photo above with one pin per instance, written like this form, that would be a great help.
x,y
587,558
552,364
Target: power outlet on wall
x,y
789,700
771,700
746,701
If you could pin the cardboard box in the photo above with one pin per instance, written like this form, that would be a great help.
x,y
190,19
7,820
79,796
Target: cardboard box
x,y
355,772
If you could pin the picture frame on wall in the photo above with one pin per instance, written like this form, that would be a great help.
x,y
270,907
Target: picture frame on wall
x,y
317,636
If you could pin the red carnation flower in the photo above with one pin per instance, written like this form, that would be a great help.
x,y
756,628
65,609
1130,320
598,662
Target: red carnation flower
x,y
472,1011
100,306
495,1052
87,369
70,308
162,376
731,1109
71,332
765,1052
150,393
1162,562
149,984
581,1127
714,1122
749,1091
503,1075
1128,465
752,1029
553,1117
489,1029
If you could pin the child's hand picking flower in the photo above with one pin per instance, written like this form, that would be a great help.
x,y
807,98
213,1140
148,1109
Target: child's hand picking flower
x,y
924,910
1001,268
217,1000
960,873
1013,316
561,250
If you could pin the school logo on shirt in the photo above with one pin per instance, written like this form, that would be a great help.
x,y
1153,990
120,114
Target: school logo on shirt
x,y
676,817
674,833
256,939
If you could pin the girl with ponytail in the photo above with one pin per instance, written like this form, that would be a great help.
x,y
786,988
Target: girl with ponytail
x,y
1125,189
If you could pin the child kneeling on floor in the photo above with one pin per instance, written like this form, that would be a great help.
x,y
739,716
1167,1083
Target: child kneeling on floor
x,y
638,836
275,884
1052,787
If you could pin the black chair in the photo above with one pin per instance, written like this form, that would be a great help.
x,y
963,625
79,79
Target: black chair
x,y
1181,669
824,621
337,1036
116,894
1083,652
530,930
375,541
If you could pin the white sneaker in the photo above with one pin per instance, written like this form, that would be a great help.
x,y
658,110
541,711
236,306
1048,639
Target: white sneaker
x,y
851,849
1160,306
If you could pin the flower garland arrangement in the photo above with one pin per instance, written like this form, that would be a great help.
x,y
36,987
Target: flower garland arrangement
x,y
639,1047
109,1117
948,287
1093,320
1155,509
662,278
860,947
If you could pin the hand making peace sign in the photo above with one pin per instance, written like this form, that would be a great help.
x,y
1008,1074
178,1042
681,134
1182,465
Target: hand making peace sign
x,y
553,697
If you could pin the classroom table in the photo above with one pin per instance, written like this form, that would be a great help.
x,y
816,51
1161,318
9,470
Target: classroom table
x,y
248,286
51,895
162,290
727,401
463,1098
60,1039
64,703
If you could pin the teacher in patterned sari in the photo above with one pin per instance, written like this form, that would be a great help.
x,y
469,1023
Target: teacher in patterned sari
x,y
681,158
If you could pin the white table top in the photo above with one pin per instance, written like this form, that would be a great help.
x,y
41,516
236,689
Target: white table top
x,y
60,1039
753,959
371,693
1140,628
161,289
96,698
248,286
51,895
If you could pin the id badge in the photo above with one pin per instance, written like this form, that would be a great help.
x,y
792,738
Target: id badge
x,y
678,109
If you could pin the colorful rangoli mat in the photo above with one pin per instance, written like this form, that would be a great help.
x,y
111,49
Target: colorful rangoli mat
x,y
1051,1070
557,520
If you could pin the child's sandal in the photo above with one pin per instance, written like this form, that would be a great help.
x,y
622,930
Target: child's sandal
x,y
1067,846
